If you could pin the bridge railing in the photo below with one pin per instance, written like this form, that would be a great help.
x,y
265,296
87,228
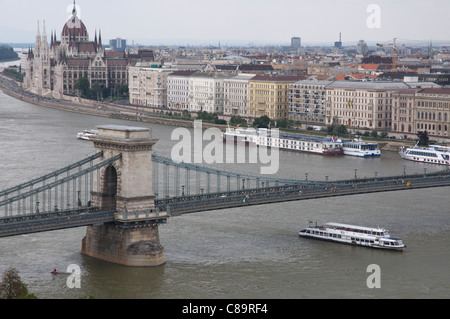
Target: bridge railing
x,y
52,175
56,193
172,179
187,204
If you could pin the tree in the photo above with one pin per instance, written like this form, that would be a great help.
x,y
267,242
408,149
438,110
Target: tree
x,y
84,86
12,286
7,53
337,129
123,90
263,122
186,114
237,120
284,123
97,91
423,138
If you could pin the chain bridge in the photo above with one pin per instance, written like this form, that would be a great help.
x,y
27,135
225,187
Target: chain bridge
x,y
215,189
124,187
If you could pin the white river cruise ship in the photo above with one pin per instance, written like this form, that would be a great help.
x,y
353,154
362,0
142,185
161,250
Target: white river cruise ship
x,y
434,154
354,235
284,141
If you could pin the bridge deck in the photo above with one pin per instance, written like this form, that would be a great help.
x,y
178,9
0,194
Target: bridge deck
x,y
190,204
19,225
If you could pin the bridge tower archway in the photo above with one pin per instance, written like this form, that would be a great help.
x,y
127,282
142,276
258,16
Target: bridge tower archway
x,y
109,189
125,187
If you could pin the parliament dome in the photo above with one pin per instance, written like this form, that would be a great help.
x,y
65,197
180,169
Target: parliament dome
x,y
74,29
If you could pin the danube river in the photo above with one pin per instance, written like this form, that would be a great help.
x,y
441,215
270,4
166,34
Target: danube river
x,y
251,252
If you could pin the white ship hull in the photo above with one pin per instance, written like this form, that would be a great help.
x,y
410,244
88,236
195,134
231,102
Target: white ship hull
x,y
434,154
361,149
350,152
86,134
354,235
295,143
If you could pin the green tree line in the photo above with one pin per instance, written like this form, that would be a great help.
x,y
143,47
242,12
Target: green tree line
x,y
97,92
7,53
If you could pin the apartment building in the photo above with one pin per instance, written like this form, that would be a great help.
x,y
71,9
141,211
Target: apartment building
x,y
308,102
269,95
148,84
362,104
403,107
236,95
178,90
206,92
433,112
426,109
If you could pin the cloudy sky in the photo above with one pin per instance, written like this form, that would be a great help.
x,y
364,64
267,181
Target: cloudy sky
x,y
234,21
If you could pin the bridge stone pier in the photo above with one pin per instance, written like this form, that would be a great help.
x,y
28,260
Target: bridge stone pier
x,y
125,186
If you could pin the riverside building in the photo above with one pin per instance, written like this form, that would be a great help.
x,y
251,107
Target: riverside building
x,y
269,95
178,90
362,104
236,95
308,102
148,84
427,109
206,92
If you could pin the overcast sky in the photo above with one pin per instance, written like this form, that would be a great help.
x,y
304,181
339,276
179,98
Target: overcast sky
x,y
227,21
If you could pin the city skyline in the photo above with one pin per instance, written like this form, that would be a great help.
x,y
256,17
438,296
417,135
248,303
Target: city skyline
x,y
176,22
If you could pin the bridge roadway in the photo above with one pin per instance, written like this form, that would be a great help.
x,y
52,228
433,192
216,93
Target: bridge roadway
x,y
191,204
175,206
40,222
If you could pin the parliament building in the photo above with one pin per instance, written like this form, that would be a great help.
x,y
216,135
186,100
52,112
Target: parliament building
x,y
53,68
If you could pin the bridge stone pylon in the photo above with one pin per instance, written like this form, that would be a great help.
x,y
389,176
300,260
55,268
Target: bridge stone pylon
x,y
125,186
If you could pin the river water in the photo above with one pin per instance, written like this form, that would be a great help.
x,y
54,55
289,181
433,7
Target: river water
x,y
252,252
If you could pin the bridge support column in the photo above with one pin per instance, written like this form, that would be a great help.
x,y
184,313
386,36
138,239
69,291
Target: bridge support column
x,y
125,246
125,188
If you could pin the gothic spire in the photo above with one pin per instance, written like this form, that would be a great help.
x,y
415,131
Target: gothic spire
x,y
100,38
74,10
44,35
37,45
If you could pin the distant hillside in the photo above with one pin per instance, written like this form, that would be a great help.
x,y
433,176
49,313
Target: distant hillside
x,y
7,53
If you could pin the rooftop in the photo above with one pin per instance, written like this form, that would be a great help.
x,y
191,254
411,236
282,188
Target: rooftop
x,y
368,85
436,91
278,78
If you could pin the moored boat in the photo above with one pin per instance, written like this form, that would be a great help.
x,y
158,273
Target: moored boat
x,y
86,134
284,141
353,235
433,154
357,147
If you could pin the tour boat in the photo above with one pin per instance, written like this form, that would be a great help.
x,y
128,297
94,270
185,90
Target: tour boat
x,y
86,134
354,235
433,154
357,147
284,141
